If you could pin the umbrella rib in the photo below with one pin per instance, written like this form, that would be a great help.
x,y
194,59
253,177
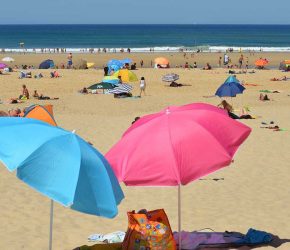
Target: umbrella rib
x,y
171,146
41,146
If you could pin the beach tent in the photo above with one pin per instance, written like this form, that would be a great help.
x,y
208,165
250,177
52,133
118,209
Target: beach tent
x,y
230,88
47,64
126,75
42,113
161,62
80,64
285,65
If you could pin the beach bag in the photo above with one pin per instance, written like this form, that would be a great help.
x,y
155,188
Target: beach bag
x,y
148,230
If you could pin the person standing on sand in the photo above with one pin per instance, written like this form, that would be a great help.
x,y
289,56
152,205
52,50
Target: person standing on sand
x,y
142,86
69,61
241,59
141,63
226,59
220,62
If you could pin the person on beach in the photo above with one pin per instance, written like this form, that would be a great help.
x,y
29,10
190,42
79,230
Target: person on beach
x,y
106,70
226,59
264,97
141,63
226,106
175,84
3,113
220,62
207,67
25,93
241,59
42,97
14,112
194,65
84,90
69,61
142,86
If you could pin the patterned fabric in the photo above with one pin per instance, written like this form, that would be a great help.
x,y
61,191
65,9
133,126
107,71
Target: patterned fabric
x,y
149,231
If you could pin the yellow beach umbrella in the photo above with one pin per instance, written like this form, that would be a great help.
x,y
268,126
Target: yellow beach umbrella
x,y
126,75
90,65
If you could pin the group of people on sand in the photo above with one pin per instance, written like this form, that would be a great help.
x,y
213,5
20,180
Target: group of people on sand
x,y
11,112
22,97
25,96
28,74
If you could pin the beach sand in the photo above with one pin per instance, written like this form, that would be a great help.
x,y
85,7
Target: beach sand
x,y
254,191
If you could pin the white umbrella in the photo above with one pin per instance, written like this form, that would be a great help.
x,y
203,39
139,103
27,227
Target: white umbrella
x,y
170,77
8,59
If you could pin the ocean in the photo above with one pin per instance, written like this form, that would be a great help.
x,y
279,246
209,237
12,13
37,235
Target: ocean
x,y
143,38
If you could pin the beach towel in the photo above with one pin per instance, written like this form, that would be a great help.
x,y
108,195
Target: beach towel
x,y
115,246
148,230
199,240
115,237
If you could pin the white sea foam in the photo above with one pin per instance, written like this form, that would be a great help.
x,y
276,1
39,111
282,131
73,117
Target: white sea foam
x,y
203,48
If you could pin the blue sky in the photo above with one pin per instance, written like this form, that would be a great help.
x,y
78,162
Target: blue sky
x,y
145,12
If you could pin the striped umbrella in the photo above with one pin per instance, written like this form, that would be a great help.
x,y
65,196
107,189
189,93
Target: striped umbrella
x,y
121,88
170,77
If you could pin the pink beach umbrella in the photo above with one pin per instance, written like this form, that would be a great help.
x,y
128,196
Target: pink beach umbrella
x,y
3,65
176,146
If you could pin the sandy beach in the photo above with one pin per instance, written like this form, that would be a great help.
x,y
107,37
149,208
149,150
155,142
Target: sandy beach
x,y
252,192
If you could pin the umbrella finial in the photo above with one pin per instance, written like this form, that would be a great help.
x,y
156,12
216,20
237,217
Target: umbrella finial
x,y
167,112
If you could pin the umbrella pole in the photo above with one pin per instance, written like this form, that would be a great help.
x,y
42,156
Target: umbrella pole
x,y
50,225
179,217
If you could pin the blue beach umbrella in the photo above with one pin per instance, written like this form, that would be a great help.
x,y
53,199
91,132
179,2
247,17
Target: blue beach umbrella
x,y
60,165
126,60
230,88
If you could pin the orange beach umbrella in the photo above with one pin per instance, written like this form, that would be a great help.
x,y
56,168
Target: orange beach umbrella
x,y
261,62
161,61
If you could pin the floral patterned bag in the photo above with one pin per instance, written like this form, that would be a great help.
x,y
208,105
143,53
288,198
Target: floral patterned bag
x,y
148,230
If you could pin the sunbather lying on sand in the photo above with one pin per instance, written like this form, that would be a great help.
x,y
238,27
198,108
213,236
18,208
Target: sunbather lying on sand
x,y
14,101
3,113
54,74
175,84
284,78
84,90
38,76
25,74
42,97
226,106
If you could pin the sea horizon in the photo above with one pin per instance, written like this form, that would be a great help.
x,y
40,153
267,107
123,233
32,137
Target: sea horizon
x,y
139,37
